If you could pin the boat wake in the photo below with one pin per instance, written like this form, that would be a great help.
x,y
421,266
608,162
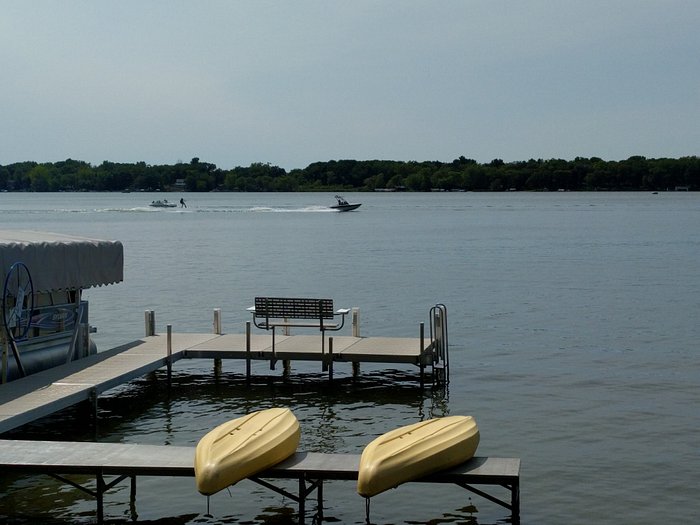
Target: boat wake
x,y
306,209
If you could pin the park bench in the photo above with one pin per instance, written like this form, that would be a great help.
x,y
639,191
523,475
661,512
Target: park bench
x,y
303,312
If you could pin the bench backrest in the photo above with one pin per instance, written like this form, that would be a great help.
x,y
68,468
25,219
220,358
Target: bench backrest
x,y
293,308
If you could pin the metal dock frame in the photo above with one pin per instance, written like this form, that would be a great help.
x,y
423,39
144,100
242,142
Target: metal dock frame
x,y
310,469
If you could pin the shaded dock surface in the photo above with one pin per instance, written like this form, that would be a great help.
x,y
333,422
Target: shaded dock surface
x,y
33,397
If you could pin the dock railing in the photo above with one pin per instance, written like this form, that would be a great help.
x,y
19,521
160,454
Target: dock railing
x,y
438,336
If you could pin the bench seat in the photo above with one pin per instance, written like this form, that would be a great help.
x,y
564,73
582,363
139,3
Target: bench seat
x,y
301,312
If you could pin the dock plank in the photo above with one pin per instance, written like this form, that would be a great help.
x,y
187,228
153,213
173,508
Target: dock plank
x,y
166,460
39,395
41,403
384,349
120,459
233,346
61,457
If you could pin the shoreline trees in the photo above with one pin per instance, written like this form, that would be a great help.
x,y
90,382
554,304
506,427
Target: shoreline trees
x,y
462,174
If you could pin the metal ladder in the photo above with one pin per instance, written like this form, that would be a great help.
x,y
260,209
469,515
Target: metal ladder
x,y
438,338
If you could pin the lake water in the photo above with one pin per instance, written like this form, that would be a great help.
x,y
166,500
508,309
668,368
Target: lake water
x,y
573,326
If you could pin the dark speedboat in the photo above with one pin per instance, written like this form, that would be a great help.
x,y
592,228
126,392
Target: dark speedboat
x,y
344,205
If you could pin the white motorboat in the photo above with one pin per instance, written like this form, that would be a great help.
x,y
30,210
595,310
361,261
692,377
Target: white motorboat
x,y
163,204
344,205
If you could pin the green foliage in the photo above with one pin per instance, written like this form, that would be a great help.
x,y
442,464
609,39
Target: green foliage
x,y
581,174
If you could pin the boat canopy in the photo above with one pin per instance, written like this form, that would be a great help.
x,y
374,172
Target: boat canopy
x,y
59,262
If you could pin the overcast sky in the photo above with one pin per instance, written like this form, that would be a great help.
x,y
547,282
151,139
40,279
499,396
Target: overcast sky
x,y
295,82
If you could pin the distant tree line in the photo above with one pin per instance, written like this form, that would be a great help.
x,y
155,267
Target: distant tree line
x,y
580,174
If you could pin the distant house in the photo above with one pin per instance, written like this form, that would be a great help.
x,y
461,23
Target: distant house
x,y
179,184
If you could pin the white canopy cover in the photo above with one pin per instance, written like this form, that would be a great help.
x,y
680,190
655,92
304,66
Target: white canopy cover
x,y
58,262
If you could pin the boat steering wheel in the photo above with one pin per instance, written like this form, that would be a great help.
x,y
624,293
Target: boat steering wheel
x,y
17,301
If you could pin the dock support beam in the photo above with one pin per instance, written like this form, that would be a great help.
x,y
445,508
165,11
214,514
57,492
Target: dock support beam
x,y
93,407
169,360
247,351
132,499
355,333
420,355
217,331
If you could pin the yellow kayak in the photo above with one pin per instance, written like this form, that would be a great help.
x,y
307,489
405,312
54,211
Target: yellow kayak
x,y
243,447
414,451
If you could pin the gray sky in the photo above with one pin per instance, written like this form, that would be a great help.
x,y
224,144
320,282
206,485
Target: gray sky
x,y
294,82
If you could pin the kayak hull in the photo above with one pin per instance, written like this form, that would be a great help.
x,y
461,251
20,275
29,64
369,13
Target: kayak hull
x,y
414,451
243,447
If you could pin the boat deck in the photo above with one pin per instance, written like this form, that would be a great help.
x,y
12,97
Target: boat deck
x,y
308,468
38,395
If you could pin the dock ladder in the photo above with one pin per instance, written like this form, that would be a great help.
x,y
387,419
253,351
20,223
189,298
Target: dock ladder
x,y
438,338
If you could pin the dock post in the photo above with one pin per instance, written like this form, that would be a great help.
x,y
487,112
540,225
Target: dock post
x,y
150,318
247,351
169,359
217,331
355,321
330,359
217,321
100,496
420,355
132,499
355,333
319,500
302,500
93,406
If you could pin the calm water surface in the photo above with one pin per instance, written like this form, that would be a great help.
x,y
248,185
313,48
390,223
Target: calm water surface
x,y
573,324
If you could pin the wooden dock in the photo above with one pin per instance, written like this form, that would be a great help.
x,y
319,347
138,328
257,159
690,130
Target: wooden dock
x,y
38,395
309,469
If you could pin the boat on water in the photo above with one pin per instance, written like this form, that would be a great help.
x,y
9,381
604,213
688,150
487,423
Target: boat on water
x,y
344,205
44,321
243,447
163,204
414,451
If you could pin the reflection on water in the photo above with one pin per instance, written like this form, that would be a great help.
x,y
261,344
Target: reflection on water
x,y
338,416
573,330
